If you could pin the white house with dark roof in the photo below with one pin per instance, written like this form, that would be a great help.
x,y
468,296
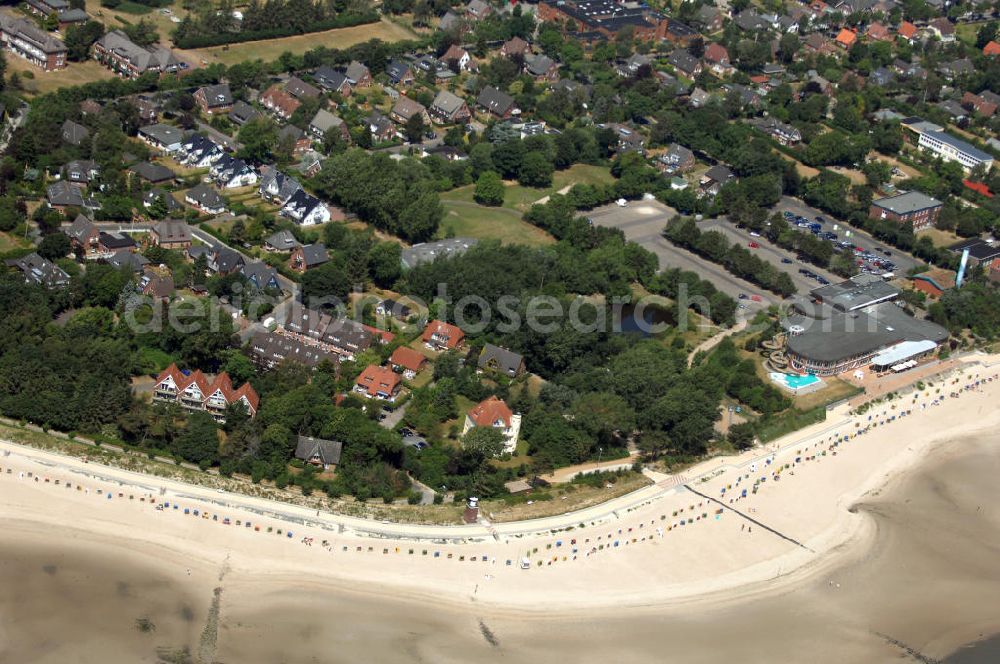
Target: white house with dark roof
x,y
332,80
206,199
319,452
37,270
325,121
232,173
305,209
162,137
275,186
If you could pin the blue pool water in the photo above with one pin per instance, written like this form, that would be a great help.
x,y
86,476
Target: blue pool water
x,y
794,382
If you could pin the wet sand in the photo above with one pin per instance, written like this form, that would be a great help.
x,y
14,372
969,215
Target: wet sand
x,y
924,579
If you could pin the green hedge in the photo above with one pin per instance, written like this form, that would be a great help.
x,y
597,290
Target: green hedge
x,y
220,39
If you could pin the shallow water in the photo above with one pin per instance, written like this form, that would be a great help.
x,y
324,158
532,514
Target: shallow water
x,y
986,651
930,580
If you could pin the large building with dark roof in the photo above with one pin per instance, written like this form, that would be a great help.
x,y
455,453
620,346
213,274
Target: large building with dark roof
x,y
606,18
844,326
25,40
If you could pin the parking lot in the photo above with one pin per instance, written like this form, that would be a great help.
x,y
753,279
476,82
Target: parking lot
x,y
782,259
903,262
643,223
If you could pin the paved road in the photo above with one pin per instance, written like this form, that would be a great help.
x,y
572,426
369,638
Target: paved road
x,y
713,341
643,223
904,262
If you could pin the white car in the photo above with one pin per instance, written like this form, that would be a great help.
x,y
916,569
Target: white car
x,y
621,202
754,234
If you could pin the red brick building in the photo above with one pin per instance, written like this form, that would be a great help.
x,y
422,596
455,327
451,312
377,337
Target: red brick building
x,y
914,207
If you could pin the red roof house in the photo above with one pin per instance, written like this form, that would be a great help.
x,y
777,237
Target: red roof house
x,y
879,32
491,412
716,54
907,30
439,335
377,382
846,38
194,390
407,360
279,102
980,105
991,48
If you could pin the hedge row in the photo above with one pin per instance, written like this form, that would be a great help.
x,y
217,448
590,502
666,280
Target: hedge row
x,y
220,39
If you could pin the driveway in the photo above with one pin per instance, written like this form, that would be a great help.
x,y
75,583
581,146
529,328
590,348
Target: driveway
x,y
394,417
224,140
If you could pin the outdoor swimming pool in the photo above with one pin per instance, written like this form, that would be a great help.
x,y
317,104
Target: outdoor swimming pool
x,y
794,382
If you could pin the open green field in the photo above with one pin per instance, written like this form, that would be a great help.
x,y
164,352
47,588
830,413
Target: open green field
x,y
133,12
967,32
941,238
270,49
10,242
43,82
465,217
521,198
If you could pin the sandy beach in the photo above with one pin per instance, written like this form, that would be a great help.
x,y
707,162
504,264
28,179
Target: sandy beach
x,y
857,539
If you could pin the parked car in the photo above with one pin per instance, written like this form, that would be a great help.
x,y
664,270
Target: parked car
x,y
754,245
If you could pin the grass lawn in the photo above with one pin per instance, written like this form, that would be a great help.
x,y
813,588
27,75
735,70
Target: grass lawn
x,y
154,359
471,220
269,50
465,217
10,242
941,238
133,12
464,405
519,457
422,378
521,198
800,168
908,171
855,176
43,82
967,32
835,390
